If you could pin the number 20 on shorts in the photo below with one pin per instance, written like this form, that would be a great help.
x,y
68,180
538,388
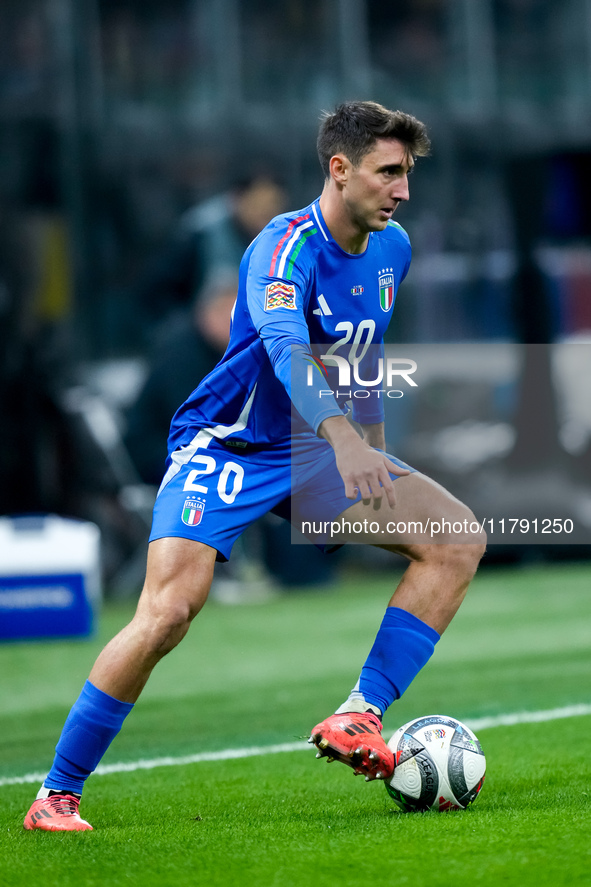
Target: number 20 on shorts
x,y
231,473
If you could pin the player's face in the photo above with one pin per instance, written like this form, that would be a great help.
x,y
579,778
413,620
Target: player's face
x,y
375,188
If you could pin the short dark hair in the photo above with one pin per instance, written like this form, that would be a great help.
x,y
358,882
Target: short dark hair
x,y
354,127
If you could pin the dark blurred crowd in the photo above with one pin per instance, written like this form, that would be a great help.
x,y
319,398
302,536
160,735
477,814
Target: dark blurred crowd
x,y
188,292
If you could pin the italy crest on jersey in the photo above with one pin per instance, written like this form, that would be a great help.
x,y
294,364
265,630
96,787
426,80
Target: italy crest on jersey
x,y
386,285
193,511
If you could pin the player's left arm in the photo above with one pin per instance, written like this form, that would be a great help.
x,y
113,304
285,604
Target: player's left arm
x,y
374,435
369,411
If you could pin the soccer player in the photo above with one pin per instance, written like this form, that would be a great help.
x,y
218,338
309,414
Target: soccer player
x,y
263,433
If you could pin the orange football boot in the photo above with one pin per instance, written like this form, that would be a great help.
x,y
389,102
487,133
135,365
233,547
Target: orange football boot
x,y
57,813
355,739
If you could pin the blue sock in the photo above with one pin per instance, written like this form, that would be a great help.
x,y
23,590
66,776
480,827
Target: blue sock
x,y
404,644
93,722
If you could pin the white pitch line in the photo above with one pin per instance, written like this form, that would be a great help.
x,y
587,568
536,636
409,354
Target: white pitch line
x,y
227,754
232,754
529,717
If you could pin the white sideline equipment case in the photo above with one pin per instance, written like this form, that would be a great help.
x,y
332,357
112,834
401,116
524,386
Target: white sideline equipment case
x,y
49,577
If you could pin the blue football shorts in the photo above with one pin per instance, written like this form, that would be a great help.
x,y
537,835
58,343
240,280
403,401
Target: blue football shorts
x,y
213,493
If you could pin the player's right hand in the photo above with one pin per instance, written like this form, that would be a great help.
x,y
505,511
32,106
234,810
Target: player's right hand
x,y
364,470
368,473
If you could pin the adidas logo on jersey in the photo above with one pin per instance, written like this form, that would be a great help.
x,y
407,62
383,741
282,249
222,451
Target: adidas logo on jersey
x,y
324,308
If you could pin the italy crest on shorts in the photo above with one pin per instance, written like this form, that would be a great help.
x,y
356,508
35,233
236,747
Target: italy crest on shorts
x,y
193,511
386,285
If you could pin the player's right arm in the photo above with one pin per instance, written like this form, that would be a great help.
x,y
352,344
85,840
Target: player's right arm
x,y
277,292
277,307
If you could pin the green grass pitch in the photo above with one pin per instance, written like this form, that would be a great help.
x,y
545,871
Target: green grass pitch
x,y
257,675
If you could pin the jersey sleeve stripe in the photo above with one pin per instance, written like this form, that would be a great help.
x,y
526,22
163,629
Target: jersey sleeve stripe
x,y
285,237
290,244
297,249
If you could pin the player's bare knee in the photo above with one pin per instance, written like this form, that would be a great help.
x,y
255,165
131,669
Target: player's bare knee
x,y
479,547
459,558
166,634
164,622
476,542
461,528
463,558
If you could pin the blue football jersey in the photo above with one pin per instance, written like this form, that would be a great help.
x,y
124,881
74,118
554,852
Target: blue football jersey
x,y
300,295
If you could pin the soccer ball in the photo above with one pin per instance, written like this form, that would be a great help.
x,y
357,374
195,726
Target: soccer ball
x,y
440,765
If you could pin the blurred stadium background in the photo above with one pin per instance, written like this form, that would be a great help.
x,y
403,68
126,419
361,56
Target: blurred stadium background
x,y
119,117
